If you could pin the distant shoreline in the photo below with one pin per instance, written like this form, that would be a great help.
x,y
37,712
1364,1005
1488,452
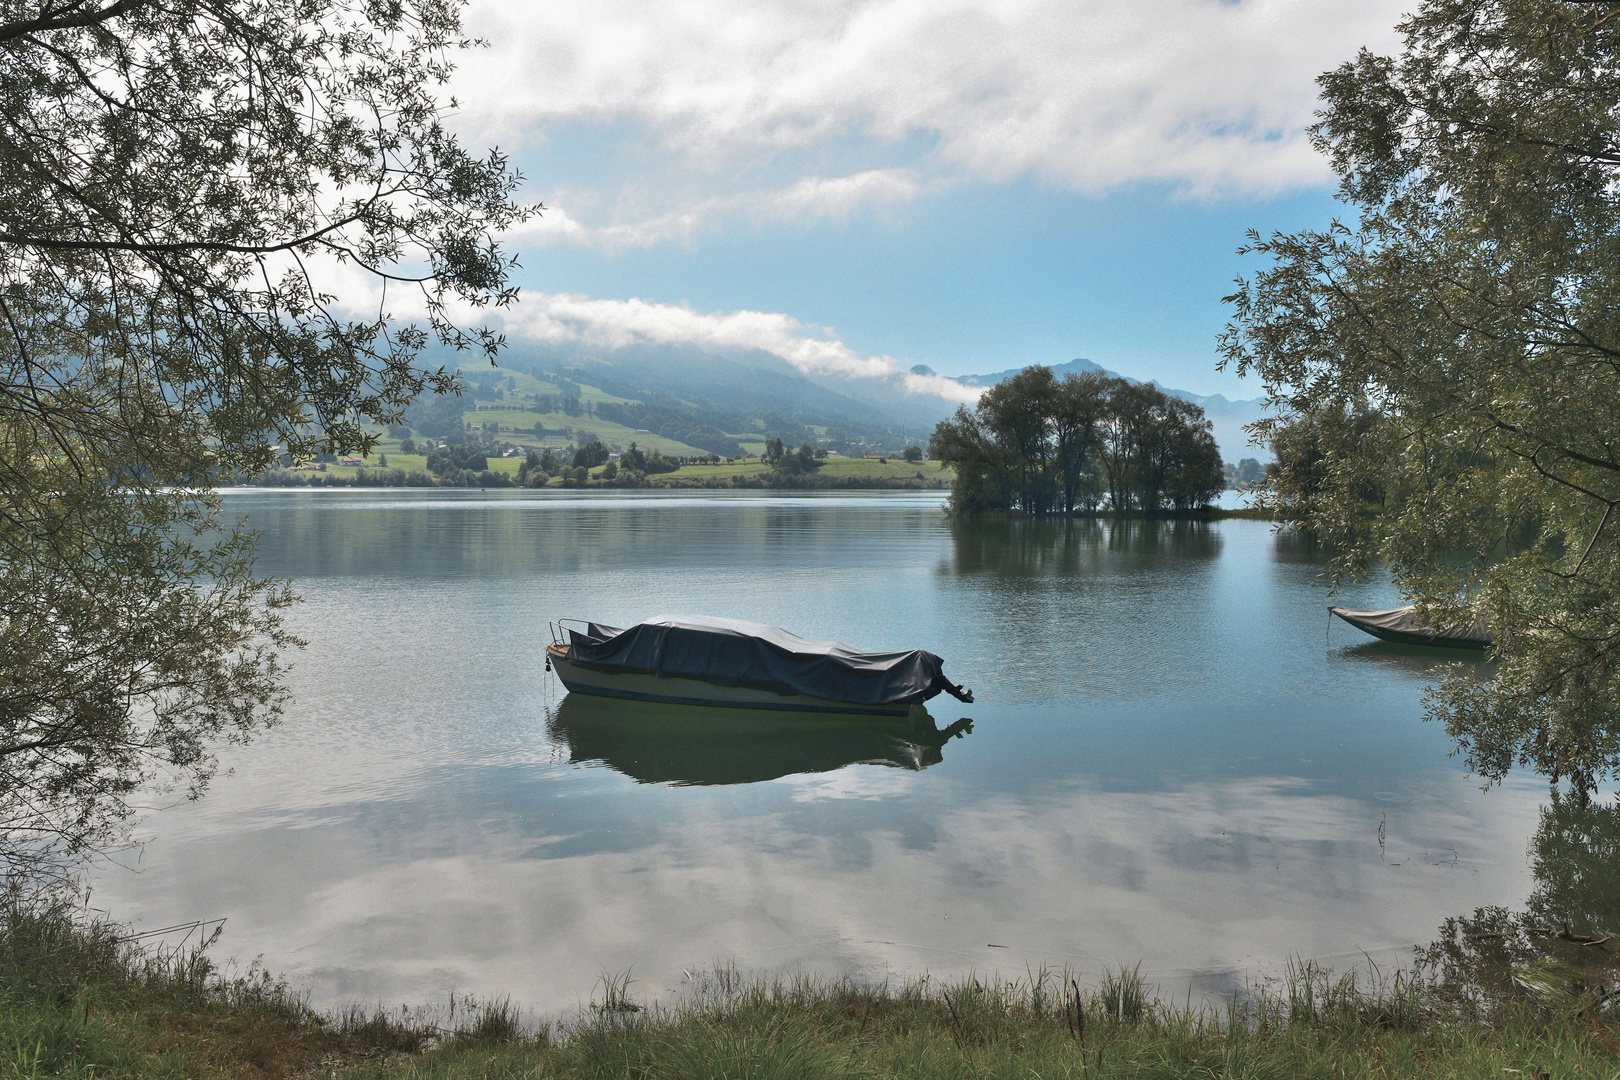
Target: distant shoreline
x,y
833,474
714,479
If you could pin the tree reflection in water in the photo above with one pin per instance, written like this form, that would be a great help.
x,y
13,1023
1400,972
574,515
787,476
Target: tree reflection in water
x,y
1026,547
683,744
1558,950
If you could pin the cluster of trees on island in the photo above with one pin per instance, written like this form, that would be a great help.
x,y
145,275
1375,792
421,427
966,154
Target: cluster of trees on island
x,y
1043,445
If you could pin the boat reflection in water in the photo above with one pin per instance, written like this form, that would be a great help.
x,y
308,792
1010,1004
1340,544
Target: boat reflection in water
x,y
686,744
1418,660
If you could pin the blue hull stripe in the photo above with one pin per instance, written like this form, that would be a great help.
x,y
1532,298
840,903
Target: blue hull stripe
x,y
1396,637
631,695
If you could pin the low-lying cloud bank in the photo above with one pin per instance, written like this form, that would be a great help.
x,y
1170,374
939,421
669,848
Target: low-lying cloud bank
x,y
556,318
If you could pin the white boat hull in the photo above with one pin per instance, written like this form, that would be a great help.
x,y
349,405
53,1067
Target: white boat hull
x,y
635,686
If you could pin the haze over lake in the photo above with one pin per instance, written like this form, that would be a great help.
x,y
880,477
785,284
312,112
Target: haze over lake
x,y
1173,758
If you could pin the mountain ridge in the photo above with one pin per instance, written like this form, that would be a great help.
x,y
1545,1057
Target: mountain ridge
x,y
758,382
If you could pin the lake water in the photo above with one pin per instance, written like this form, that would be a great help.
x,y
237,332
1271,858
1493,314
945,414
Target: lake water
x,y
1173,760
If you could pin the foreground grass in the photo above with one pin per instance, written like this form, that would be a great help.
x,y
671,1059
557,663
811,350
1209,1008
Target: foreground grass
x,y
1311,1027
78,1000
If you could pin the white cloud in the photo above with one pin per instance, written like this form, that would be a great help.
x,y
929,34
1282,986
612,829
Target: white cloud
x,y
817,198
1205,95
556,225
809,200
559,317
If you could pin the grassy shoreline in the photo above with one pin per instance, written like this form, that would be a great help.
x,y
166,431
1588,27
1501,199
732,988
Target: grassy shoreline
x,y
79,999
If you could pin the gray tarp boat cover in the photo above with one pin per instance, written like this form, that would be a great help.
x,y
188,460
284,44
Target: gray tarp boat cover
x,y
731,652
1402,621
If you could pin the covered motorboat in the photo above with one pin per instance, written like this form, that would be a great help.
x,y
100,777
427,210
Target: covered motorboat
x,y
696,660
1400,625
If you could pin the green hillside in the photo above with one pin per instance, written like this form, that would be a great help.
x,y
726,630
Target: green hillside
x,y
563,430
505,415
505,405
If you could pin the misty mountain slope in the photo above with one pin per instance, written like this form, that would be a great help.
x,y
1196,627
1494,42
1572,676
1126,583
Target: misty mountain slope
x,y
914,411
750,382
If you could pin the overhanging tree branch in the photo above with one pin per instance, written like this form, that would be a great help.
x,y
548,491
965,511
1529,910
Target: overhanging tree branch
x,y
61,19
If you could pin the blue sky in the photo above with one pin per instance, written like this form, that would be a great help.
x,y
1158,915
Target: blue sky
x,y
866,185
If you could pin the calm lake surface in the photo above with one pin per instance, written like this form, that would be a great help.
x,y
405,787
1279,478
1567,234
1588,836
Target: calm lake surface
x,y
1173,758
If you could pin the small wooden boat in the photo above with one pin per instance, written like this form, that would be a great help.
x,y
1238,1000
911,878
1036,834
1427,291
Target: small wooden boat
x,y
694,660
1400,625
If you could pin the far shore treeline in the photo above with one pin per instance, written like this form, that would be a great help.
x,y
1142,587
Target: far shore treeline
x,y
467,459
1043,445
